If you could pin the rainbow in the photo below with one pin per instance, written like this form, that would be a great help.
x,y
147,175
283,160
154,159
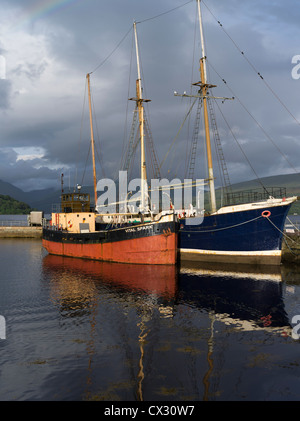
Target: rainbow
x,y
41,9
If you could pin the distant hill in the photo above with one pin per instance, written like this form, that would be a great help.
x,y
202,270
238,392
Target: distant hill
x,y
45,199
12,191
10,206
289,181
38,199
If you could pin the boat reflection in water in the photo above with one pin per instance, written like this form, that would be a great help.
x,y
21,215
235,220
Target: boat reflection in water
x,y
247,296
77,286
160,280
133,300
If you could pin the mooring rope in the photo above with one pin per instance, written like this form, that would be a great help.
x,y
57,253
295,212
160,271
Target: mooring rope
x,y
232,226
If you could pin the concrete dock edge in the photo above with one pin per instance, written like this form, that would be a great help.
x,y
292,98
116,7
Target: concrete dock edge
x,y
21,232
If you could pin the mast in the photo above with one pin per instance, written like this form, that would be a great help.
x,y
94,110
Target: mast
x,y
204,90
139,100
92,139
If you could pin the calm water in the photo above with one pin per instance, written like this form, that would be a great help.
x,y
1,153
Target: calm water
x,y
81,330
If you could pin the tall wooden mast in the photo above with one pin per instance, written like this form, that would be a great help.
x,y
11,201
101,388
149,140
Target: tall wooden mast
x,y
204,90
203,95
92,139
139,100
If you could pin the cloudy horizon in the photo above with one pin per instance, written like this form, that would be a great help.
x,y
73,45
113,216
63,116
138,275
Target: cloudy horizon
x,y
47,47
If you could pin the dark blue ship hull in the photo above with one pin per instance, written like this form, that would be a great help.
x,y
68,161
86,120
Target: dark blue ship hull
x,y
252,236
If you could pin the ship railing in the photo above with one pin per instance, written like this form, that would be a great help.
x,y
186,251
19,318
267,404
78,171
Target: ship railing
x,y
48,225
254,195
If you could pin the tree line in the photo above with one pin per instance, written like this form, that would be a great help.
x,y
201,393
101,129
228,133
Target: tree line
x,y
10,206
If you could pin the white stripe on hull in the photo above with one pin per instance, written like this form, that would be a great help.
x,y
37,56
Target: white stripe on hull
x,y
266,257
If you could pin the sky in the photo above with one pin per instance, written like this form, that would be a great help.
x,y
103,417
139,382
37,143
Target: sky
x,y
48,46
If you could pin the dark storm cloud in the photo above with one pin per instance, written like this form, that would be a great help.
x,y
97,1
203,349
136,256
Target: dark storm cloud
x,y
35,169
48,57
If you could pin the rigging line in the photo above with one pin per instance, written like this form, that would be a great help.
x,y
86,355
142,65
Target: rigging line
x,y
188,149
223,184
80,137
226,228
131,158
150,167
288,246
109,55
292,223
164,13
251,65
194,142
258,124
98,150
84,171
124,151
144,88
98,153
245,156
188,113
281,232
